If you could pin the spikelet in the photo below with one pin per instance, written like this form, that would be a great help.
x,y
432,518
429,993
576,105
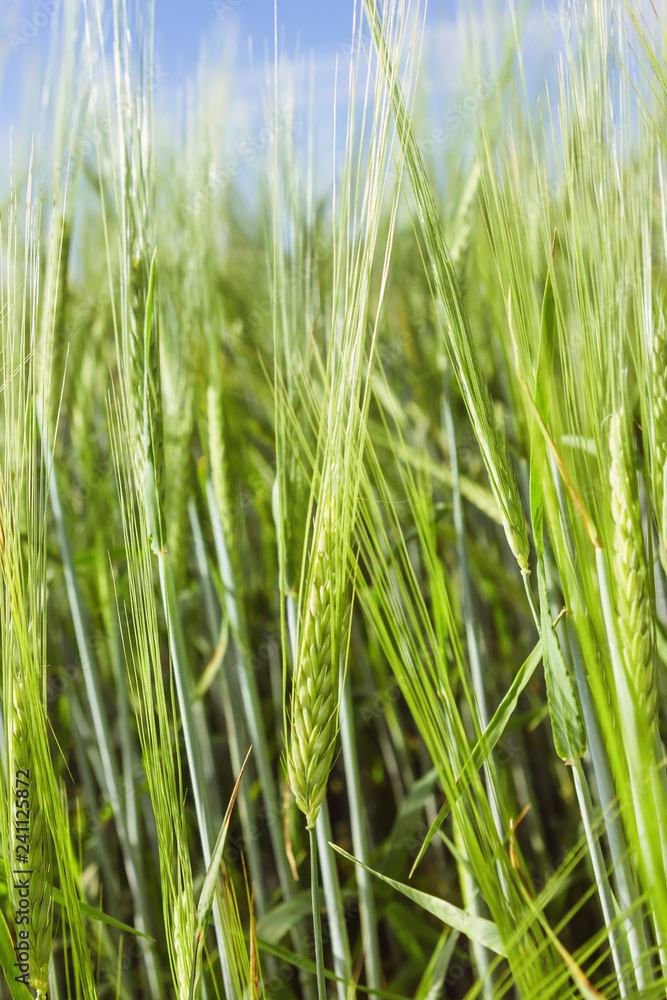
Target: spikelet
x,y
143,362
36,861
314,709
635,621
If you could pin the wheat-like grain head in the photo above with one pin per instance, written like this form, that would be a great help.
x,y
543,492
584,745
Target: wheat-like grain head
x,y
635,620
141,353
183,928
314,709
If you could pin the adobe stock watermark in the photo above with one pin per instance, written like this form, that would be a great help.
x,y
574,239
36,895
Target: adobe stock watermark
x,y
91,138
248,150
503,752
224,8
455,117
59,679
45,13
262,313
362,42
346,911
559,15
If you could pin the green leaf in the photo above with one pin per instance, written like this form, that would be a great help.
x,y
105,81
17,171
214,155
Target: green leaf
x,y
486,743
275,924
307,965
542,395
412,809
103,918
7,958
435,973
567,721
477,929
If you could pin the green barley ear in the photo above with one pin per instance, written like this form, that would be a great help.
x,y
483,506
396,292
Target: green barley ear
x,y
314,708
30,848
183,928
635,621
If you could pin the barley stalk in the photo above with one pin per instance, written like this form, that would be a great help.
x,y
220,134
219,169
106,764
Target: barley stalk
x,y
144,370
635,621
218,458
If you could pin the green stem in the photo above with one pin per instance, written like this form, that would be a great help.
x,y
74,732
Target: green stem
x,y
482,957
92,683
360,843
623,874
252,711
192,746
599,870
317,919
634,927
249,694
650,858
340,945
604,891
233,717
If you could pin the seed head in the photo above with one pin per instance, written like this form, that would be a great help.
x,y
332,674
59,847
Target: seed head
x,y
315,688
183,929
635,621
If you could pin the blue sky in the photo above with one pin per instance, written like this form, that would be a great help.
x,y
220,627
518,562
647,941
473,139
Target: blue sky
x,y
181,28
223,27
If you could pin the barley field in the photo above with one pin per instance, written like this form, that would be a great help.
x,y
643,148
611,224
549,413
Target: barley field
x,y
333,515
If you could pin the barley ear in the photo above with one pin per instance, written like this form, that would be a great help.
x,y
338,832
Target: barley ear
x,y
633,606
183,930
314,709
144,370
